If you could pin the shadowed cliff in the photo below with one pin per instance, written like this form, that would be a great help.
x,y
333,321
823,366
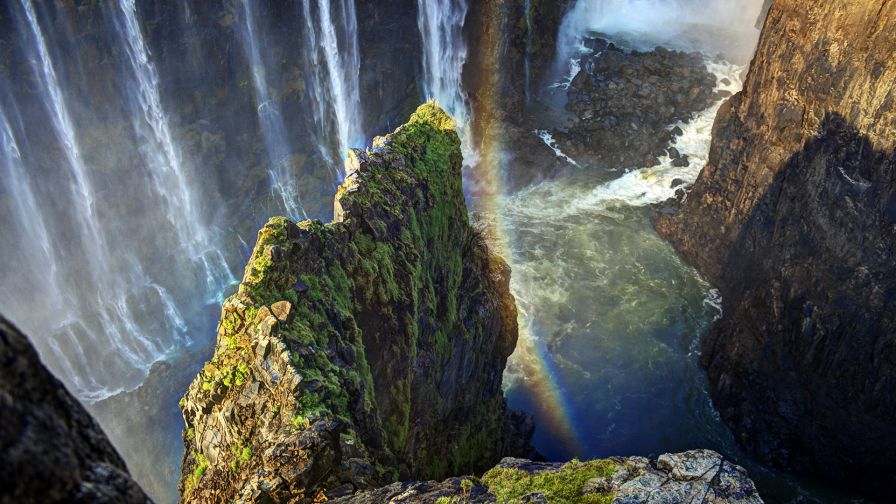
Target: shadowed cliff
x,y
794,218
52,449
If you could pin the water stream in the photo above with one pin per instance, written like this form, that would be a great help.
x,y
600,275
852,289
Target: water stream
x,y
441,25
127,238
283,180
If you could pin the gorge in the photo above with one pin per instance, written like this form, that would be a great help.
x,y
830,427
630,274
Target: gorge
x,y
499,279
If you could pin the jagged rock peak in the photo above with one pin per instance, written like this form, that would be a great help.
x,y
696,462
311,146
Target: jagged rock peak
x,y
363,350
52,449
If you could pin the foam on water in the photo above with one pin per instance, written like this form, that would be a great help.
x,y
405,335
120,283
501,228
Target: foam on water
x,y
639,187
548,140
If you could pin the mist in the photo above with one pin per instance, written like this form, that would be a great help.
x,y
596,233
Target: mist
x,y
726,27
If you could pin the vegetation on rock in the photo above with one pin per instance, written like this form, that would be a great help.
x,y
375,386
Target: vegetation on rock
x,y
364,349
566,485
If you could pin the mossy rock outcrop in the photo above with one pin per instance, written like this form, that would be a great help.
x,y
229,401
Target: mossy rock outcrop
x,y
363,350
693,476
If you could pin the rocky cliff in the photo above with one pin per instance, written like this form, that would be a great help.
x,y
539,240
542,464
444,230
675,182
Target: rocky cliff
x,y
364,350
52,449
794,218
515,42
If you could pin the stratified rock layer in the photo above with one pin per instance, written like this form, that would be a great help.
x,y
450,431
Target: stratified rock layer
x,y
694,476
794,218
52,449
363,350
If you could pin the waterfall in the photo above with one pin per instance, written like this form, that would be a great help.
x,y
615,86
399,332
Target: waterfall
x,y
15,176
528,7
68,354
441,25
65,130
101,291
162,157
334,63
273,129
343,67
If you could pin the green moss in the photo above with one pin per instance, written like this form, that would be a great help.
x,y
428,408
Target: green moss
x,y
404,288
241,452
265,279
198,471
562,487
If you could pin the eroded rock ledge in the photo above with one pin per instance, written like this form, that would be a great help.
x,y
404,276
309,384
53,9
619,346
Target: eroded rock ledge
x,y
694,476
362,351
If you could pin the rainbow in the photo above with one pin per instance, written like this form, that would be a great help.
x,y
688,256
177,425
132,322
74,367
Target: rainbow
x,y
486,188
531,360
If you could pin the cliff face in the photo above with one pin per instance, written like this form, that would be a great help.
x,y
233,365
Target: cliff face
x,y
362,350
391,56
794,218
52,449
505,36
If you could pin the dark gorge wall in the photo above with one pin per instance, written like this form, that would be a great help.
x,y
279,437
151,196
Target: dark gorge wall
x,y
794,218
509,39
52,449
391,62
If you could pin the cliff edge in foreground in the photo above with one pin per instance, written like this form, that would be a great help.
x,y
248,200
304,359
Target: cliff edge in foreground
x,y
52,449
794,218
361,351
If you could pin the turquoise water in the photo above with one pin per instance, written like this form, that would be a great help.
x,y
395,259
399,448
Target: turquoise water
x,y
611,318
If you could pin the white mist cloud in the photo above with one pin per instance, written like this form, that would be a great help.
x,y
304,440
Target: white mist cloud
x,y
710,26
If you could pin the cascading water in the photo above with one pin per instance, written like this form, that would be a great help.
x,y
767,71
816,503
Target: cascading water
x,y
334,64
163,158
343,65
159,150
441,25
273,129
105,319
66,132
528,16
